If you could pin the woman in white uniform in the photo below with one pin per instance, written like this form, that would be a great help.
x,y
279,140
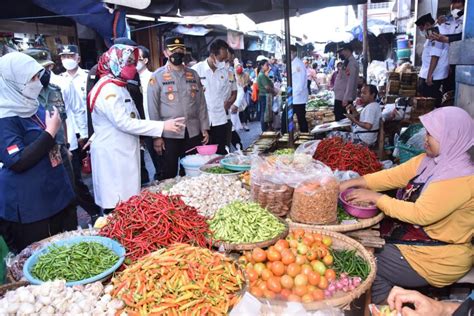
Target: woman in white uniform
x,y
115,149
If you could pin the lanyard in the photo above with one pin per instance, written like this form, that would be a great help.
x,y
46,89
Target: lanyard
x,y
38,121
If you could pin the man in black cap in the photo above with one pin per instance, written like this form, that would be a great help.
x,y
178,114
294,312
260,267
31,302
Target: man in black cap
x,y
345,86
176,91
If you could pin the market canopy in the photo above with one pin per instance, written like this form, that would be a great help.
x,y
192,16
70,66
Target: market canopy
x,y
374,27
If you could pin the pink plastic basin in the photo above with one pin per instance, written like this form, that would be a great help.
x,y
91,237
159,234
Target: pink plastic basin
x,y
206,149
357,211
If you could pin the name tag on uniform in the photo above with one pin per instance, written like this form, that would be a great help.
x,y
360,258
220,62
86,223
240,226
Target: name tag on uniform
x,y
168,82
191,81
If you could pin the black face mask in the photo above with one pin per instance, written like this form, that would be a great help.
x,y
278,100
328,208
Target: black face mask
x,y
342,57
177,58
45,78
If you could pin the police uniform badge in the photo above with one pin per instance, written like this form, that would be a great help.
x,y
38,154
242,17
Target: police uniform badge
x,y
133,115
152,81
171,96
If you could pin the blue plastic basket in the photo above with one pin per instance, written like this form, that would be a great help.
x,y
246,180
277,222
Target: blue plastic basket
x,y
107,242
225,163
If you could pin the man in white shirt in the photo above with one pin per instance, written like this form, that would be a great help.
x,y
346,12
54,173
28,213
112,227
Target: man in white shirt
x,y
300,91
365,128
434,59
220,90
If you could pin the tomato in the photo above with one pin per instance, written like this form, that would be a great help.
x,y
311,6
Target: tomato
x,y
302,249
243,260
252,274
248,255
255,291
273,254
293,269
266,274
328,260
278,268
281,245
323,251
287,257
262,286
298,233
330,274
285,293
307,298
274,285
306,269
300,290
259,255
307,241
313,278
311,255
300,260
287,281
323,283
301,279
294,251
293,243
327,241
290,236
269,294
268,264
259,267
319,267
318,295
294,298
317,237
311,288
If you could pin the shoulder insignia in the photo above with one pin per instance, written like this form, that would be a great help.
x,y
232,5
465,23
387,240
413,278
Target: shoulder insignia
x,y
167,76
110,96
189,75
152,81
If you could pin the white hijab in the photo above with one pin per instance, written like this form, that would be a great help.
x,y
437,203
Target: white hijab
x,y
16,70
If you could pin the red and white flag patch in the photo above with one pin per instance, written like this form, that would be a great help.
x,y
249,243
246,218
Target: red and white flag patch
x,y
13,149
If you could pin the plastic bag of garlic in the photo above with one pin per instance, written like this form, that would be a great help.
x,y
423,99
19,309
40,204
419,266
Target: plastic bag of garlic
x,y
208,193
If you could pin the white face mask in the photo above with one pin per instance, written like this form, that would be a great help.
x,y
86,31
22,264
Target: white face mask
x,y
140,66
69,63
32,89
457,13
219,64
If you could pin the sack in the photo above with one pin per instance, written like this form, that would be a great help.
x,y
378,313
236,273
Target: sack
x,y
86,164
255,92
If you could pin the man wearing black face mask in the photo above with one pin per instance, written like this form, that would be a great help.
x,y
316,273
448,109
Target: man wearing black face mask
x,y
176,91
345,86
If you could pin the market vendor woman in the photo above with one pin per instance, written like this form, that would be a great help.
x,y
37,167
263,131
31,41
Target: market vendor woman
x,y
35,193
431,222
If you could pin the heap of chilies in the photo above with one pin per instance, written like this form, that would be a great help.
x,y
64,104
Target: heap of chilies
x,y
340,155
150,221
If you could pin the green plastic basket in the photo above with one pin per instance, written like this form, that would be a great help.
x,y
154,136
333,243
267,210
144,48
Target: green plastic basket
x,y
407,152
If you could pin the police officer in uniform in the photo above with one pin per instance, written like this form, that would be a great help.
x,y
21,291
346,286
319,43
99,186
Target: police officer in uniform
x,y
176,91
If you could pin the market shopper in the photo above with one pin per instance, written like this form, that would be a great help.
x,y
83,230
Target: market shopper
x,y
434,60
115,149
36,197
345,86
430,223
176,91
334,75
220,90
300,91
243,82
266,91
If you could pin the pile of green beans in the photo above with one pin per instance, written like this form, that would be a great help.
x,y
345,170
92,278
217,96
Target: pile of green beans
x,y
219,170
241,222
74,262
349,262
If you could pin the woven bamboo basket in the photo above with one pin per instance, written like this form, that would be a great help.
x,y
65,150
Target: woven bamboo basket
x,y
225,246
342,300
341,228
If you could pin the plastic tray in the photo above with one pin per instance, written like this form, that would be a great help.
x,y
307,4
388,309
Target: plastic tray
x,y
224,163
109,243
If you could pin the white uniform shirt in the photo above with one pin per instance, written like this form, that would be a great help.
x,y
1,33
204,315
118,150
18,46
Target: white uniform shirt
x,y
300,88
441,50
79,80
115,151
371,113
144,80
218,86
76,122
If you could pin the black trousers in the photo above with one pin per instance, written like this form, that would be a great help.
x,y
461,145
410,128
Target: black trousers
x,y
339,110
393,269
309,86
433,91
145,177
300,111
155,158
236,140
18,235
83,195
219,136
244,116
174,150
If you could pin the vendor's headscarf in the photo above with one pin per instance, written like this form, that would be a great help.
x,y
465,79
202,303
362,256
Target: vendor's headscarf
x,y
112,62
16,70
453,128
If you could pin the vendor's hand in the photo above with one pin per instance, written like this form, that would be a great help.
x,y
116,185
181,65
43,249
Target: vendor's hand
x,y
423,304
175,125
52,122
234,109
350,117
363,195
159,145
205,137
429,81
